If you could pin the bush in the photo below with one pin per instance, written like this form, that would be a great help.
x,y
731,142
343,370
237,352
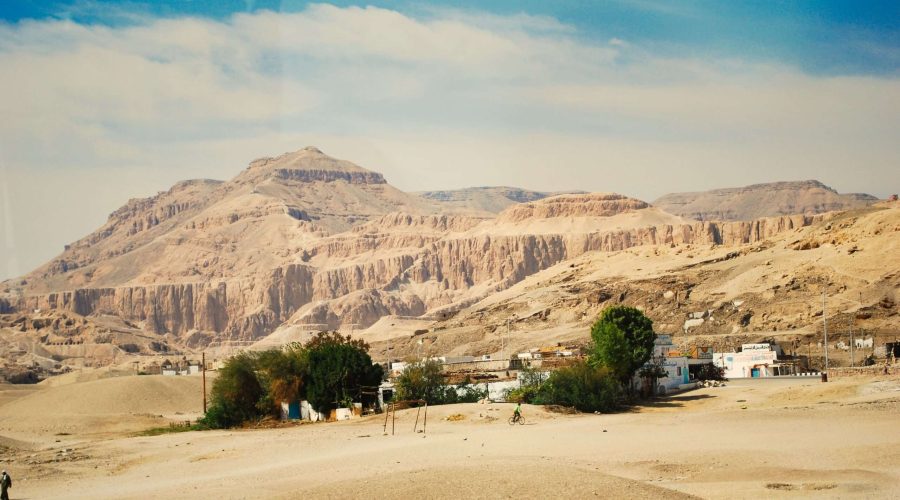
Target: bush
x,y
582,386
421,380
463,393
530,382
235,393
282,373
710,371
330,370
424,380
524,394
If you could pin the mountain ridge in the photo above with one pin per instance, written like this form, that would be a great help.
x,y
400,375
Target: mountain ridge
x,y
332,244
761,200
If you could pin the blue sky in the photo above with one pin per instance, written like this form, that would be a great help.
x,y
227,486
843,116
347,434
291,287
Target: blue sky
x,y
105,101
825,37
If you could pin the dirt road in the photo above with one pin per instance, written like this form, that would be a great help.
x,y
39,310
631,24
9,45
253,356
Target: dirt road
x,y
784,438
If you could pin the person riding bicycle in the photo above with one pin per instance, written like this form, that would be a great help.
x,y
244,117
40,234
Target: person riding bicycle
x,y
517,412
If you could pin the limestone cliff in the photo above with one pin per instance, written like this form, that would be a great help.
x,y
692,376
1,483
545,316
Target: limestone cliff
x,y
303,238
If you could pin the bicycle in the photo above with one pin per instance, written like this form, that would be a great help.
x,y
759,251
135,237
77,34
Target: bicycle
x,y
517,418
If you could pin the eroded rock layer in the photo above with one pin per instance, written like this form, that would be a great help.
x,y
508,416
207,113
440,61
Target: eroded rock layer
x,y
303,238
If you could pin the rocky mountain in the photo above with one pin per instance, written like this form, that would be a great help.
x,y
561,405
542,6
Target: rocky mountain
x,y
485,200
762,200
304,242
709,292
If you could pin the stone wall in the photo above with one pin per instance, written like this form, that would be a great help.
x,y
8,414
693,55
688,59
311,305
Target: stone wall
x,y
868,371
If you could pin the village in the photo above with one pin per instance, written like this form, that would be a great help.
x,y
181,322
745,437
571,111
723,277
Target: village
x,y
497,376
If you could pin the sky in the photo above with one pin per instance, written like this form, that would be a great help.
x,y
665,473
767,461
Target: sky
x,y
104,101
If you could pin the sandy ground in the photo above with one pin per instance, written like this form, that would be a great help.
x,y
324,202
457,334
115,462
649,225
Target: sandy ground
x,y
750,439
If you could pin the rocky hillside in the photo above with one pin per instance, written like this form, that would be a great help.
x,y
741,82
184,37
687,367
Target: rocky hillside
x,y
705,294
484,200
304,241
762,200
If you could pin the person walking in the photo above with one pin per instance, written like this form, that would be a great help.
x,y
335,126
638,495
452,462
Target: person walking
x,y
5,485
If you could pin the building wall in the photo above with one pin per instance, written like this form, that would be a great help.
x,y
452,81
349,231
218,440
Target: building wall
x,y
741,364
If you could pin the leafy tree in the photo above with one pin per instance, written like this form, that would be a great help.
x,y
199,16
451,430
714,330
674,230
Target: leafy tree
x,y
235,393
466,392
330,338
650,373
623,341
424,380
338,368
329,371
421,380
585,387
283,373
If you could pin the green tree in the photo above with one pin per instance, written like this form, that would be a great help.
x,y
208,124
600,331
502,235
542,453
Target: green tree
x,y
235,393
623,342
283,373
421,380
585,387
338,368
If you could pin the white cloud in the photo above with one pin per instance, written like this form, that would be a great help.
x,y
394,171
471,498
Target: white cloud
x,y
446,99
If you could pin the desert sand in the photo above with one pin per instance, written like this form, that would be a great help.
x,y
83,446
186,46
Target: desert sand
x,y
763,438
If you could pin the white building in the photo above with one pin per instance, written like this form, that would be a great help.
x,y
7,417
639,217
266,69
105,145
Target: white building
x,y
675,366
754,361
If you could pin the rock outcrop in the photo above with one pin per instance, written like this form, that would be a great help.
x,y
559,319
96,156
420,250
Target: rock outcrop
x,y
573,205
762,200
486,200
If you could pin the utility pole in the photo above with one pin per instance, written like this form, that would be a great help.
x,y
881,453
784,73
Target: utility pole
x,y
203,370
825,332
852,319
507,335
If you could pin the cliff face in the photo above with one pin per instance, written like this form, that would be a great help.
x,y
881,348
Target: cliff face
x,y
484,201
303,238
573,205
360,293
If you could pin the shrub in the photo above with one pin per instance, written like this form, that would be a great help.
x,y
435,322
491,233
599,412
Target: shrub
x,y
585,387
235,394
530,382
524,394
710,371
421,380
424,380
463,393
330,370
282,373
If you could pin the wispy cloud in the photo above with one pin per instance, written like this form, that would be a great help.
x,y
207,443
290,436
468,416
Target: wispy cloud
x,y
443,99
678,9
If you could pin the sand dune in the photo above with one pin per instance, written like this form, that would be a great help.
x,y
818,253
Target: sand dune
x,y
104,406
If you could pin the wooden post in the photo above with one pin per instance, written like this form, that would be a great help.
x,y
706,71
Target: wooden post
x,y
416,425
393,419
425,420
203,362
386,414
